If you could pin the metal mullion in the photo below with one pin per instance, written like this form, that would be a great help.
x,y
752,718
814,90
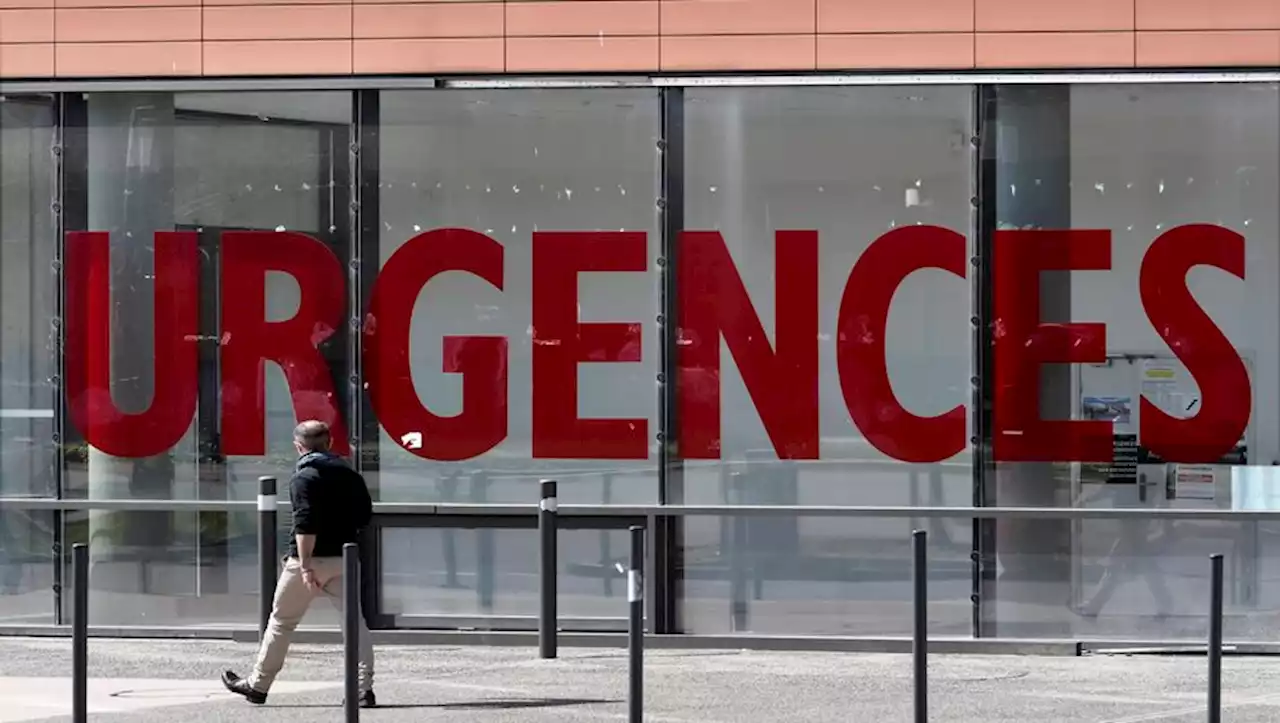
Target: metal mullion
x,y
363,233
984,227
666,533
365,255
71,213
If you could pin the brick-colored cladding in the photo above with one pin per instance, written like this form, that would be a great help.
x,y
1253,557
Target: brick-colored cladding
x,y
111,38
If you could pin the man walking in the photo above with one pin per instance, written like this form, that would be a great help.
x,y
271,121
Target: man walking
x,y
331,504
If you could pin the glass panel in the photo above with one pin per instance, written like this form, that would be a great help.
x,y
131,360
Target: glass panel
x,y
852,164
442,571
26,567
28,298
838,576
130,195
1144,163
508,164
166,578
206,165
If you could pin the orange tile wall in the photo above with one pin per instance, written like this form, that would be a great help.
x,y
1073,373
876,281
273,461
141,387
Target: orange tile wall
x,y
112,38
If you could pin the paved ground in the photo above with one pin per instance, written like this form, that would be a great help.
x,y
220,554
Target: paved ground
x,y
163,682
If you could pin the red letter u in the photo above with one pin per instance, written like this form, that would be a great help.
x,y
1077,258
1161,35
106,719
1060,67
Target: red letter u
x,y
88,337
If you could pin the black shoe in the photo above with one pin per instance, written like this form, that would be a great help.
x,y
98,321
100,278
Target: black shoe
x,y
240,686
367,700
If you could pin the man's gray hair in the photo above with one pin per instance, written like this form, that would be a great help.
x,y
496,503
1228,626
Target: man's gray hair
x,y
313,435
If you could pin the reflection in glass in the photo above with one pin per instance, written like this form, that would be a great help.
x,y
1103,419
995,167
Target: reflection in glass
x,y
840,576
202,164
26,567
508,164
28,295
429,572
1139,161
852,164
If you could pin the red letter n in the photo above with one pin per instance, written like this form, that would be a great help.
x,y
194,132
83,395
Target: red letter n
x,y
561,341
249,340
90,315
1022,344
783,384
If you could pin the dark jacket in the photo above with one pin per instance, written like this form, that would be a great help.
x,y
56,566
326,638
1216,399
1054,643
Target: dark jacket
x,y
330,500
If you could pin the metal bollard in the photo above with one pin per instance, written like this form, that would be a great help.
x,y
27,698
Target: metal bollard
x,y
1215,640
738,604
635,628
920,627
484,546
547,616
267,551
351,630
80,634
606,537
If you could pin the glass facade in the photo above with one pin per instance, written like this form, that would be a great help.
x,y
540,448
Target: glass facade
x,y
932,296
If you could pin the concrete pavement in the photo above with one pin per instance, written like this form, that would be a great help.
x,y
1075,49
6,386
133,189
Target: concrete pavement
x,y
165,681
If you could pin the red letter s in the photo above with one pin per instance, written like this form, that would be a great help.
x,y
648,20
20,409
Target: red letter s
x,y
1198,342
481,360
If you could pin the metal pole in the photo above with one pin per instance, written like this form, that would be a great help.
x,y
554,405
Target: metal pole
x,y
1215,641
484,546
606,538
635,628
738,605
80,634
351,630
267,551
920,632
547,618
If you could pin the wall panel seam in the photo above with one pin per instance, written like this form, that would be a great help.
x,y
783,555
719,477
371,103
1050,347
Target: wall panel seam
x,y
225,41
1135,32
459,37
868,33
527,36
278,6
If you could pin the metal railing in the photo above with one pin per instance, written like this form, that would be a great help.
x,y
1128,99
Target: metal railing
x,y
653,510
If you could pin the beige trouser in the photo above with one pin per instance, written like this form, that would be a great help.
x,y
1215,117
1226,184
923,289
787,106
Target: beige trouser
x,y
292,599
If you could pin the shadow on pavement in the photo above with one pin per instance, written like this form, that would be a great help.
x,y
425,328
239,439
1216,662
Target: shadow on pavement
x,y
474,705
516,704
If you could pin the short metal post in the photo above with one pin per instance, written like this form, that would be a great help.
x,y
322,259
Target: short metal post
x,y
80,634
635,627
920,631
1215,640
606,538
267,551
351,630
738,605
449,536
484,546
547,617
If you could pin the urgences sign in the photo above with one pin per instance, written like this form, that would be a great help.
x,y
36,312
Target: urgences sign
x,y
781,377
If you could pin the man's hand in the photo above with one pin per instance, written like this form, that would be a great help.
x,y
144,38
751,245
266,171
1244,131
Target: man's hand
x,y
306,545
309,579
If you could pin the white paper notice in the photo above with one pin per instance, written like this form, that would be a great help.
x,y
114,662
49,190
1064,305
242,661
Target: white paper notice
x,y
1195,482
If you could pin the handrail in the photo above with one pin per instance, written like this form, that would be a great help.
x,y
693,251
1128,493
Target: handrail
x,y
530,509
